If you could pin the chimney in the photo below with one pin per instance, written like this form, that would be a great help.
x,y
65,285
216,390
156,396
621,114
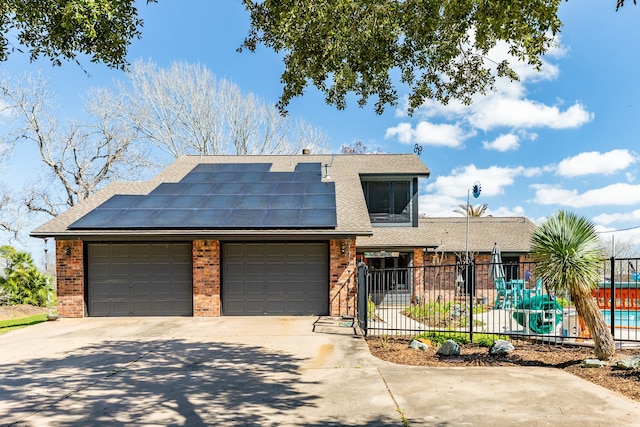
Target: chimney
x,y
306,151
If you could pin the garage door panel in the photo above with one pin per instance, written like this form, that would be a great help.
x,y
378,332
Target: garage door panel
x,y
293,279
138,279
276,308
251,288
254,269
253,250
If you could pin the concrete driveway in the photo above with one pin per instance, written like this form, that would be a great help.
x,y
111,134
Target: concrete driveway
x,y
265,371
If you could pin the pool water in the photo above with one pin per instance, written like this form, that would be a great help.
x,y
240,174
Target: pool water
x,y
624,318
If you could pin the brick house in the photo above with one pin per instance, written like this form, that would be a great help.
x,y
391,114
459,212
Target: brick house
x,y
254,235
231,235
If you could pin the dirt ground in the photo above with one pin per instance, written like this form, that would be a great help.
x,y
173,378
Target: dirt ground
x,y
526,353
8,312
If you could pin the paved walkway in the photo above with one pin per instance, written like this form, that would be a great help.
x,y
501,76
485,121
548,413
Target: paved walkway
x,y
238,371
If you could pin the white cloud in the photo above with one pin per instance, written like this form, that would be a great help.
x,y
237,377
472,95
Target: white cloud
x,y
504,211
503,143
493,180
508,106
445,135
594,162
435,205
615,195
607,219
524,113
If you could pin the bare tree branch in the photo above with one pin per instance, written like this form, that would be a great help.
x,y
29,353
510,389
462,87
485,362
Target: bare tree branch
x,y
79,157
184,109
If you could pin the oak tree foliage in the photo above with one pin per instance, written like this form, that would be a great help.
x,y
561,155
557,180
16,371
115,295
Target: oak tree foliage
x,y
437,48
369,48
63,29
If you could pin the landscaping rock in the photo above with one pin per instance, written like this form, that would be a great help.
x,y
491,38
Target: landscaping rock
x,y
501,347
631,362
418,345
425,341
593,363
449,348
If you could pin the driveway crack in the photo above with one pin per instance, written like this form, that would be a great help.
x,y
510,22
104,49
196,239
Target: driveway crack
x,y
399,410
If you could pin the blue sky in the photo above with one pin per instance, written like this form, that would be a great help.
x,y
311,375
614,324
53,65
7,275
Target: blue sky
x,y
562,138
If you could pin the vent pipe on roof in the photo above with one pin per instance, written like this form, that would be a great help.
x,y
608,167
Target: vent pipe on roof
x,y
306,151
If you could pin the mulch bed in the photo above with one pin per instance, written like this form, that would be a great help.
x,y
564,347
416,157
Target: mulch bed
x,y
526,353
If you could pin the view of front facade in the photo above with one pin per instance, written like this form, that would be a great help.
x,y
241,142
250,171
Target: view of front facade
x,y
252,235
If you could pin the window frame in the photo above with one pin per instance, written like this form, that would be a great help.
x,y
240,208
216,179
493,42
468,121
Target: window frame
x,y
390,218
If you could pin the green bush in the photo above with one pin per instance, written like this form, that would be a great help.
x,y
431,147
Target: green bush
x,y
21,280
483,340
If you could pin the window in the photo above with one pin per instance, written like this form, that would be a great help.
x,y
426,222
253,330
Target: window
x,y
389,201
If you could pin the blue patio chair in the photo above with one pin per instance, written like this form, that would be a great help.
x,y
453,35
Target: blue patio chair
x,y
535,292
504,294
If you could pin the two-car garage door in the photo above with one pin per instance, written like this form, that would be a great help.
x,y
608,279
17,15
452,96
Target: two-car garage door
x,y
155,279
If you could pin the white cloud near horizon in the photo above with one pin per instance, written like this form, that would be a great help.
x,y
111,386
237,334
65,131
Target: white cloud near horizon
x,y
493,181
618,194
594,162
607,219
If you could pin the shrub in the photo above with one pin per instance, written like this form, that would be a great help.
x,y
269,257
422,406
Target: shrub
x,y
22,280
483,340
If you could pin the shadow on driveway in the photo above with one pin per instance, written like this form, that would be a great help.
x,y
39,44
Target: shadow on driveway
x,y
170,382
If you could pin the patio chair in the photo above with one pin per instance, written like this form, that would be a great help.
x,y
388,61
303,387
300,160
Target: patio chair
x,y
535,292
504,294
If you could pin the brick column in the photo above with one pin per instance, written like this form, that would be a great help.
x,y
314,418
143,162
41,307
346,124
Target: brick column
x,y
70,277
342,277
206,278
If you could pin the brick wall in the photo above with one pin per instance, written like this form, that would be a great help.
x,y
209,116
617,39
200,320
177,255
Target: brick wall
x,y
342,277
70,277
206,278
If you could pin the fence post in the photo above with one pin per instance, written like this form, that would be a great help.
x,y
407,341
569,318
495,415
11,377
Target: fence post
x,y
362,305
613,296
472,286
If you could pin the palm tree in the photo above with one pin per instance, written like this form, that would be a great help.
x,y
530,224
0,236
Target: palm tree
x,y
470,210
565,248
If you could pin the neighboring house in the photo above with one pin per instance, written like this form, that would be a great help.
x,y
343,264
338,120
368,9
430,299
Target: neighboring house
x,y
236,235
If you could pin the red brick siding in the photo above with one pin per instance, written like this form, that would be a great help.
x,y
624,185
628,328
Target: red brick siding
x,y
342,277
70,277
418,273
206,278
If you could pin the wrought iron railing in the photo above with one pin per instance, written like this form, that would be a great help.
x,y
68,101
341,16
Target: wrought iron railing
x,y
458,299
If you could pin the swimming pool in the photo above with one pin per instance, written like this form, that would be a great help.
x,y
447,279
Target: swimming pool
x,y
623,318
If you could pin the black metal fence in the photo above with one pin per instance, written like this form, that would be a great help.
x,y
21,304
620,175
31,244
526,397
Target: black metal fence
x,y
468,299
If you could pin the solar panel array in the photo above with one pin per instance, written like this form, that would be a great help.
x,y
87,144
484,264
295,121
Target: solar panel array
x,y
225,196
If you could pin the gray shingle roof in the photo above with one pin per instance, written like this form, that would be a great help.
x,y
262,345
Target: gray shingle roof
x,y
448,234
344,170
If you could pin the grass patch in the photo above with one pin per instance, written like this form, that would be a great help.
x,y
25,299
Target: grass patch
x,y
10,325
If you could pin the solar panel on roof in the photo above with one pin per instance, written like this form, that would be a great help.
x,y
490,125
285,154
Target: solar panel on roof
x,y
121,202
225,196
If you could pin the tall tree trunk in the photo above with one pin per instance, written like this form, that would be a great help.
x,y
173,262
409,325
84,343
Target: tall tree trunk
x,y
587,308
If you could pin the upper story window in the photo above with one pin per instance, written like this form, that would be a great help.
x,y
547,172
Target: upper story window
x,y
390,201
